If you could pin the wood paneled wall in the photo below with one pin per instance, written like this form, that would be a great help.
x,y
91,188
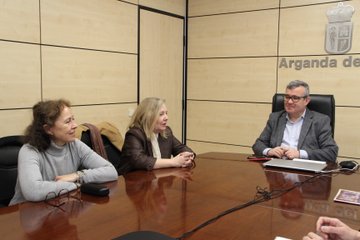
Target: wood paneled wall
x,y
235,51
85,51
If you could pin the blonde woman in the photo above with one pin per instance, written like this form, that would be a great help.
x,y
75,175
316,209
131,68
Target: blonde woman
x,y
149,143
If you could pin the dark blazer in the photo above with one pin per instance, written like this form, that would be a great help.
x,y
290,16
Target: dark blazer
x,y
137,149
315,135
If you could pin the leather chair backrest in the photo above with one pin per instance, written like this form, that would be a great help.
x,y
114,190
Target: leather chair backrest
x,y
113,154
321,103
9,151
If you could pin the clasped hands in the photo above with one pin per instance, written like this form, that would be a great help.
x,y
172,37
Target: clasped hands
x,y
284,152
184,159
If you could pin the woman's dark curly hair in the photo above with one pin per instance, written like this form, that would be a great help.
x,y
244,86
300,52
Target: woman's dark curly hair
x,y
44,113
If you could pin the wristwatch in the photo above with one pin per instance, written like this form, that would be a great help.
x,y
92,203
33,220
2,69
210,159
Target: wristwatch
x,y
80,180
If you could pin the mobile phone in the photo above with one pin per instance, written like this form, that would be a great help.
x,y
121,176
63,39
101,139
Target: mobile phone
x,y
95,189
258,158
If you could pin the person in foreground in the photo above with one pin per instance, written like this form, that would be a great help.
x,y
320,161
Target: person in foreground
x,y
149,143
334,229
297,132
52,159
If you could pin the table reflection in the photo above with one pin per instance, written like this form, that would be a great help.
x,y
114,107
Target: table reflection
x,y
292,203
38,220
147,192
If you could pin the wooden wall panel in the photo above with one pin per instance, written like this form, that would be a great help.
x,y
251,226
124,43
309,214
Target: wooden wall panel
x,y
339,80
19,74
203,147
20,25
347,131
302,30
291,3
117,114
214,69
130,1
232,79
175,6
89,77
231,35
207,7
231,123
94,24
14,122
161,63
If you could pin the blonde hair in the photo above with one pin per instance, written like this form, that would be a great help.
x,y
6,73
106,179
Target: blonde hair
x,y
146,115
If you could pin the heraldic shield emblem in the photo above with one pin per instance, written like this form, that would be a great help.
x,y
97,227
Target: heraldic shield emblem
x,y
339,29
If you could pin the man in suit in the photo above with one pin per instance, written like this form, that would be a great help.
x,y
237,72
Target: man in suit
x,y
297,132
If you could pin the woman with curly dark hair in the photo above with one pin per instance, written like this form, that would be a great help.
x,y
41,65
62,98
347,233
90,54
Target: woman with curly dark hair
x,y
52,159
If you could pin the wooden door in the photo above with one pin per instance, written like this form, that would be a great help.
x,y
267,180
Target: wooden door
x,y
161,62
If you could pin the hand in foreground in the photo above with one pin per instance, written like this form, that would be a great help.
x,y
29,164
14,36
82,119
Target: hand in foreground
x,y
312,236
334,229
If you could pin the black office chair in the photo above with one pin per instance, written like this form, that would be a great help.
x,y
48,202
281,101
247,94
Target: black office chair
x,y
319,102
9,150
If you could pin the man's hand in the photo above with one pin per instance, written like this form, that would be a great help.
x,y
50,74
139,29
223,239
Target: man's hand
x,y
276,152
292,153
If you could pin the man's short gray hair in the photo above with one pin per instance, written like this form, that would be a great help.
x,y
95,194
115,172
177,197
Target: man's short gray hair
x,y
298,83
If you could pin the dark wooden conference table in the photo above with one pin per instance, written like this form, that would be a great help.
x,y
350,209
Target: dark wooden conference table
x,y
175,201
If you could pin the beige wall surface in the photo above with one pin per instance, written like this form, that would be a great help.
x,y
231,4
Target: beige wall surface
x,y
234,55
130,1
14,121
233,35
307,25
230,123
203,147
94,24
20,20
347,131
117,114
19,74
231,91
206,7
161,63
327,76
89,77
175,6
232,79
85,51
291,3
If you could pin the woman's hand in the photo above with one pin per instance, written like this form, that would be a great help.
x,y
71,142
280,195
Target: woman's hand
x,y
72,177
184,159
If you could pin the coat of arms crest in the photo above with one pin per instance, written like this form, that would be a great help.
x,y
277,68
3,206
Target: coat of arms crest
x,y
339,29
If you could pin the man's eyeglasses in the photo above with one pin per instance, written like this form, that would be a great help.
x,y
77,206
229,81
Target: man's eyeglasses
x,y
63,196
295,99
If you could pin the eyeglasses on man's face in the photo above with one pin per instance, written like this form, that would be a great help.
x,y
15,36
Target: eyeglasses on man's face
x,y
63,196
293,98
